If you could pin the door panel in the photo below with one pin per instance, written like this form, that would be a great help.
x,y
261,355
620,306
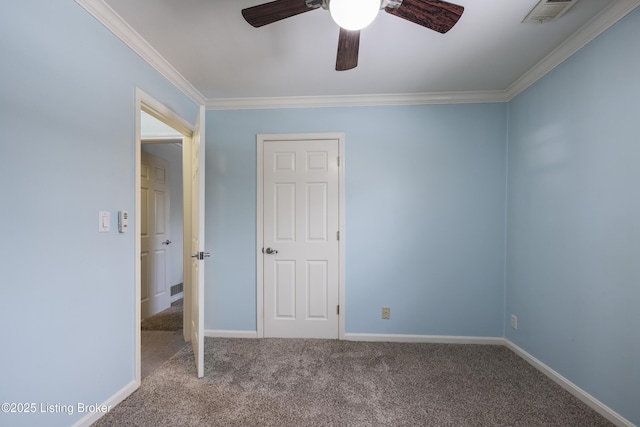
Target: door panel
x,y
317,214
300,222
194,294
285,283
145,284
285,212
154,200
144,288
317,289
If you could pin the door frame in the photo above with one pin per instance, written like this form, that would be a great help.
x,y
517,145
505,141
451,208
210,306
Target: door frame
x,y
145,102
260,141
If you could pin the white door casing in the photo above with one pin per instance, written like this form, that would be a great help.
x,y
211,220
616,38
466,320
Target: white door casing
x,y
145,102
154,234
300,216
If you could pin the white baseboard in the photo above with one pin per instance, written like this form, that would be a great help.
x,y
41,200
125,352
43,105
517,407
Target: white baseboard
x,y
442,339
177,296
215,333
435,339
111,402
585,397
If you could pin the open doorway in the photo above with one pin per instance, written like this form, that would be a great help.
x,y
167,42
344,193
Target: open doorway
x,y
162,274
194,254
163,135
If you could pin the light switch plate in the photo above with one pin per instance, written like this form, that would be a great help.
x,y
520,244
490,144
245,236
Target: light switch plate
x,y
104,221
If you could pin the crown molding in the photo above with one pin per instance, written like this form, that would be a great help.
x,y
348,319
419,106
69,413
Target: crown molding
x,y
357,100
592,29
589,31
121,29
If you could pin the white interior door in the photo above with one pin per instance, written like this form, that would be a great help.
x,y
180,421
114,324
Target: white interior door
x,y
301,216
154,235
194,266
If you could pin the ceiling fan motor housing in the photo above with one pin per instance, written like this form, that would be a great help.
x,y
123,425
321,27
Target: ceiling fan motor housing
x,y
314,4
390,4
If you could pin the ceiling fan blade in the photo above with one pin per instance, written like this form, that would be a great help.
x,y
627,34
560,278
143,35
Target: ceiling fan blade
x,y
348,45
274,11
436,15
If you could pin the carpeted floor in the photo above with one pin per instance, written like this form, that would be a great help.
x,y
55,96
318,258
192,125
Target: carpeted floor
x,y
167,320
279,382
161,337
157,348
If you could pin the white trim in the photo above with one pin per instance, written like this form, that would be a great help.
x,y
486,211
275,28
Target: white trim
x,y
432,339
162,139
176,297
111,402
197,295
585,397
140,96
186,237
592,29
122,30
218,333
165,114
260,140
259,238
343,236
357,100
146,102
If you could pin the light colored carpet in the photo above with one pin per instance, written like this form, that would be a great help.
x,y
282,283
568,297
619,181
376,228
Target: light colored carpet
x,y
157,347
278,382
167,320
161,337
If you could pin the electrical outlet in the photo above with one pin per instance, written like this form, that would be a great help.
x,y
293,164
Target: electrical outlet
x,y
386,312
514,321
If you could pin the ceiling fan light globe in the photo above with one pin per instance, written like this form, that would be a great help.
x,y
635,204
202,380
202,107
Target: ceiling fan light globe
x,y
354,15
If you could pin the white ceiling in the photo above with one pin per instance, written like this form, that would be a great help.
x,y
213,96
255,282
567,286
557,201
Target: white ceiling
x,y
489,52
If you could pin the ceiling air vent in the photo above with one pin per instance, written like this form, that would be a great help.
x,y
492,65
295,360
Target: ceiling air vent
x,y
548,10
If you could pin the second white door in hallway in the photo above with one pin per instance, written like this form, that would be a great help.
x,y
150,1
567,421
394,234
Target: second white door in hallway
x,y
154,235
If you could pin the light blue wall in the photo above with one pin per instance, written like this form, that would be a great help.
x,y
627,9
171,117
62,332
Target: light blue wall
x,y
67,110
574,219
425,184
425,207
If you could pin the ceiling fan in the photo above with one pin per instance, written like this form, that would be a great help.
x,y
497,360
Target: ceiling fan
x,y
436,15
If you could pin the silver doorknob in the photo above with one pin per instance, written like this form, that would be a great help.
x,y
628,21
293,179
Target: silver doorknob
x,y
166,242
201,255
270,251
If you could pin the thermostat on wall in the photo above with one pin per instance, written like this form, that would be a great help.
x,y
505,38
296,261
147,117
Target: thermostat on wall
x,y
123,221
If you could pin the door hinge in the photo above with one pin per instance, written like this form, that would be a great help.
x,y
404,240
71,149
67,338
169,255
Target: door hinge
x,y
338,160
338,310
338,235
